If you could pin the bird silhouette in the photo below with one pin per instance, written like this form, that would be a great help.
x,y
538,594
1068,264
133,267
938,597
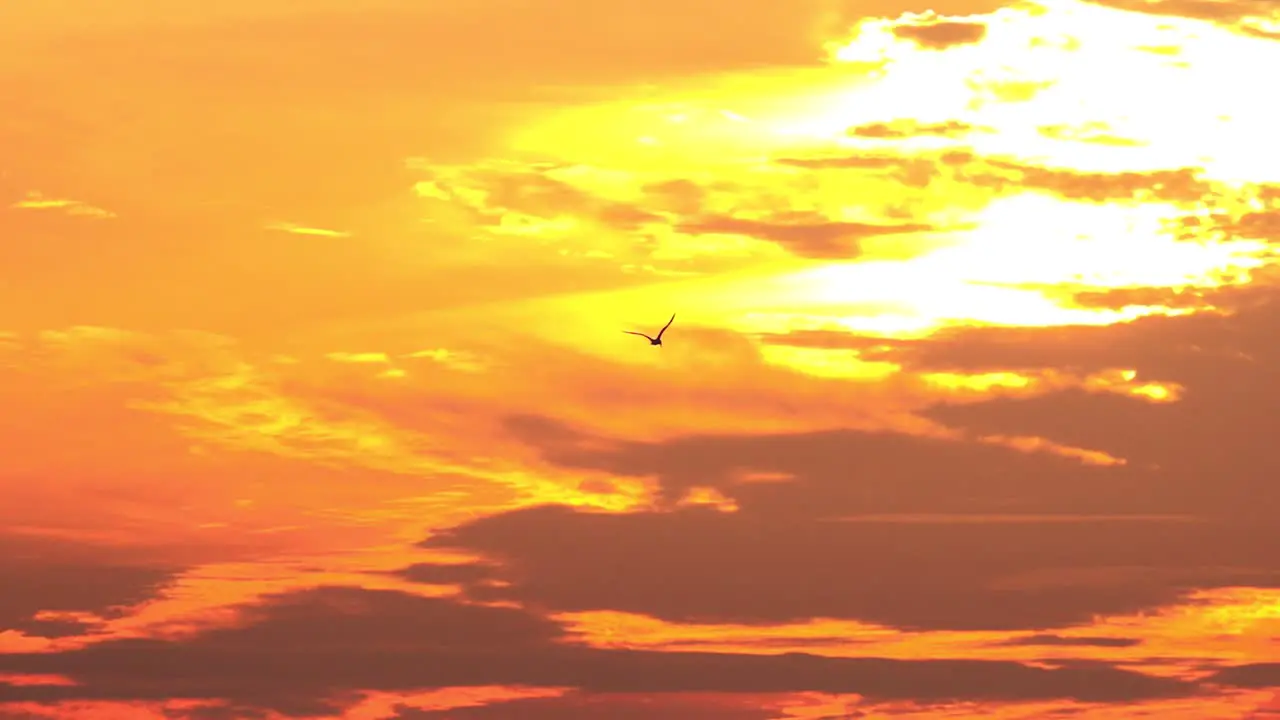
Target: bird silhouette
x,y
654,340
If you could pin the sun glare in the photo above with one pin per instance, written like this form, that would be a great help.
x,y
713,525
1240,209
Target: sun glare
x,y
980,257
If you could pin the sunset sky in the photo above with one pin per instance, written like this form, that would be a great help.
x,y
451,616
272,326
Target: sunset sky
x,y
315,400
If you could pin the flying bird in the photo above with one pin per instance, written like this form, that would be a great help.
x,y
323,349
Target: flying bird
x,y
654,340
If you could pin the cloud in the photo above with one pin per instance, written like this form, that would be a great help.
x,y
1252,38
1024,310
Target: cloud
x,y
704,566
911,128
1256,215
360,358
1005,176
1249,675
941,35
310,651
1220,358
599,217
38,201
459,360
1182,184
304,230
1241,14
1207,454
585,706
897,473
214,391
447,574
812,238
754,565
862,162
1047,640
55,589
612,218
1116,298
1264,224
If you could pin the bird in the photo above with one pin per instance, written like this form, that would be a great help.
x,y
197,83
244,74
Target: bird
x,y
654,340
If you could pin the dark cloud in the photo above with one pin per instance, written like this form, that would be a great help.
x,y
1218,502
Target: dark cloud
x,y
1225,359
911,128
1004,175
38,574
224,711
1251,675
1212,451
309,652
451,574
300,655
840,473
1191,509
1227,12
1261,224
847,472
48,628
1120,298
1161,348
699,565
803,236
681,197
912,171
942,35
1179,184
1183,184
1212,447
854,162
585,706
1048,640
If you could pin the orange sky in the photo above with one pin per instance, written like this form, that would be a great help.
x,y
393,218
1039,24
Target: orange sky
x,y
316,402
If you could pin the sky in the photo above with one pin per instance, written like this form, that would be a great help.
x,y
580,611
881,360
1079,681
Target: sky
x,y
317,401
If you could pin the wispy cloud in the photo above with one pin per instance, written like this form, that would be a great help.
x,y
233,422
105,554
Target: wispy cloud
x,y
359,357
295,229
454,359
39,201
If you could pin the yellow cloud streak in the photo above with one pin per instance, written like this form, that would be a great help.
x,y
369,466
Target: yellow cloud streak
x,y
243,411
1227,625
296,229
224,401
38,201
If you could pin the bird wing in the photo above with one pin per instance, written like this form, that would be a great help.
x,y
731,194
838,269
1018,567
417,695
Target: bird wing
x,y
631,332
664,327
